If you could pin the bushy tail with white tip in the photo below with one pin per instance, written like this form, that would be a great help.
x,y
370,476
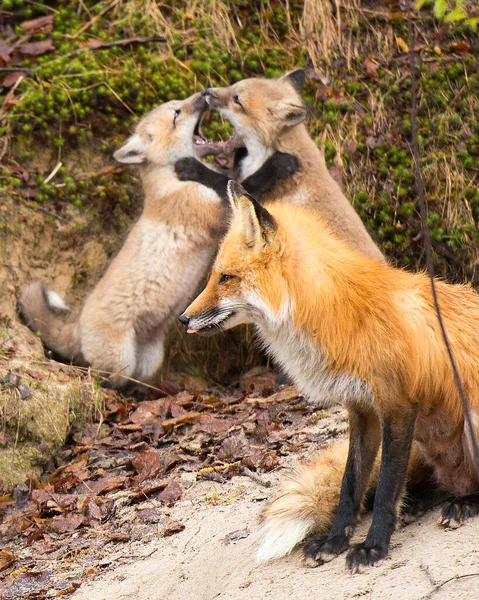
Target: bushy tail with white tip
x,y
307,503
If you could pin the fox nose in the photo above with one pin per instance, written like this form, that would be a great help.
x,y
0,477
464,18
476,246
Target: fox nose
x,y
211,97
184,319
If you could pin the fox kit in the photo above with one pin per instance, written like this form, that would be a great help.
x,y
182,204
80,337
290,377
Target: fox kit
x,y
268,116
123,323
353,329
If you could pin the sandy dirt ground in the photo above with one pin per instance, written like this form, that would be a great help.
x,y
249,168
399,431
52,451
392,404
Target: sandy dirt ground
x,y
213,558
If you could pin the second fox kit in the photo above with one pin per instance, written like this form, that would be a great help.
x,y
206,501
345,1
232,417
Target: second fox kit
x,y
268,116
124,321
353,329
123,324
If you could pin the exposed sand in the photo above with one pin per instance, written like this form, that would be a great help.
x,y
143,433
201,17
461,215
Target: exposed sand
x,y
201,563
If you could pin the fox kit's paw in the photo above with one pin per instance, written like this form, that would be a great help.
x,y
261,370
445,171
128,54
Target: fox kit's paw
x,y
285,164
456,511
361,555
189,169
319,549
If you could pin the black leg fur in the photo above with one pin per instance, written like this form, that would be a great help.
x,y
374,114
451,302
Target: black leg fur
x,y
364,439
397,437
277,167
458,510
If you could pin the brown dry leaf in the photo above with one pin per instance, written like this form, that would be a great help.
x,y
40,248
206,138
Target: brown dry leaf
x,y
460,47
94,511
103,485
149,487
64,524
240,534
147,464
213,425
4,51
177,410
287,394
108,170
259,382
169,388
171,493
371,68
128,427
149,411
170,526
36,48
351,147
234,447
188,417
7,558
150,515
43,23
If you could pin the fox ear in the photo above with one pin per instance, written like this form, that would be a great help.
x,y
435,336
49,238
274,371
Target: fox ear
x,y
290,114
297,79
133,150
257,223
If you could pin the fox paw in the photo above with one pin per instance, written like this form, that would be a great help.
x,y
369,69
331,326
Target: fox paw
x,y
362,556
285,164
189,169
320,549
456,511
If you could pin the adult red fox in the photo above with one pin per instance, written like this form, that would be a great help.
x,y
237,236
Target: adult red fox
x,y
122,326
351,329
268,116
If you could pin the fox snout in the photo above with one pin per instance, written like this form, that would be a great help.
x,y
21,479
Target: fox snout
x,y
213,98
184,319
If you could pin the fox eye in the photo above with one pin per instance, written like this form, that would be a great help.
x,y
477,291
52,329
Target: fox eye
x,y
224,278
177,114
236,100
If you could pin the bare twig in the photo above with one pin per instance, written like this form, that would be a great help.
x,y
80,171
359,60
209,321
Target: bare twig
x,y
95,18
54,172
443,583
255,477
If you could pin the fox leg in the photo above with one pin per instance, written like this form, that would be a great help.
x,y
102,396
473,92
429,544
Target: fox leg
x,y
149,359
110,350
459,510
364,440
277,167
397,436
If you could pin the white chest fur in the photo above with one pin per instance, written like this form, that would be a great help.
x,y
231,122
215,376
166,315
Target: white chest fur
x,y
304,362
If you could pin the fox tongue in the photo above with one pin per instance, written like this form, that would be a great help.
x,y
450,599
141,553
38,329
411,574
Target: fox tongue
x,y
191,331
225,160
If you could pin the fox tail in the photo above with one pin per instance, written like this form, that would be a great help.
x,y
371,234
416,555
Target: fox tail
x,y
306,504
41,308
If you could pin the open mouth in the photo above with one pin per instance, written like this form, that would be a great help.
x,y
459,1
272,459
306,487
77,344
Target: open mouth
x,y
212,328
223,151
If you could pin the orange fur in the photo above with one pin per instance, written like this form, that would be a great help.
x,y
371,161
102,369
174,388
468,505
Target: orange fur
x,y
372,327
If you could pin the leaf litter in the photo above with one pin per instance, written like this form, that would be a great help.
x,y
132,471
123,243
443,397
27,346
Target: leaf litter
x,y
116,481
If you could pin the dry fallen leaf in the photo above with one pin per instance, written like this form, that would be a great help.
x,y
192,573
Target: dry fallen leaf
x,y
7,558
36,48
371,68
42,23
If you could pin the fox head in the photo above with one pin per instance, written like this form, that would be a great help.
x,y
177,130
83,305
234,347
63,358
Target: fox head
x,y
260,109
245,284
165,134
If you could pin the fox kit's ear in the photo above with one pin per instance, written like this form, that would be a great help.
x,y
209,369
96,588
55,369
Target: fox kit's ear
x,y
289,114
133,150
257,223
297,79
